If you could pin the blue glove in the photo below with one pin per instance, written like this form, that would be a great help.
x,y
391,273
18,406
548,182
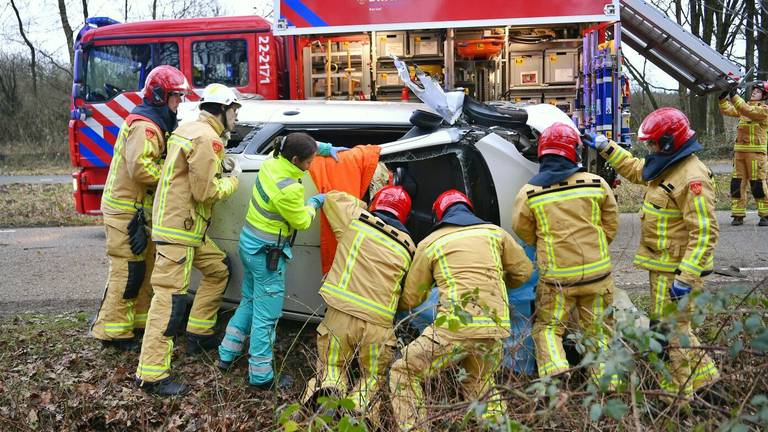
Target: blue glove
x,y
596,141
317,201
327,149
679,290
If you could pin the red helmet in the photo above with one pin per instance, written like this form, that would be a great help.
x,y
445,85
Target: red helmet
x,y
669,127
161,82
393,199
763,87
559,139
447,199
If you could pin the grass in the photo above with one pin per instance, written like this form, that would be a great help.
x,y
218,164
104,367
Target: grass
x,y
38,205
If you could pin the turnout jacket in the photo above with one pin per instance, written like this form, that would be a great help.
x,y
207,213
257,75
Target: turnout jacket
x,y
135,169
190,182
679,227
571,223
371,261
753,123
472,266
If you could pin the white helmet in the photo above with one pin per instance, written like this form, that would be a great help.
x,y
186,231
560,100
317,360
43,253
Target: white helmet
x,y
220,94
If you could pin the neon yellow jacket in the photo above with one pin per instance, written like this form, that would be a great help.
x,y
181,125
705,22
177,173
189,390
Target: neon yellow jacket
x,y
753,124
571,224
472,267
191,182
679,227
277,201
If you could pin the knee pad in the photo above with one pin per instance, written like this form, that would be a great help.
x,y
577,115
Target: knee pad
x,y
178,307
736,188
757,189
136,272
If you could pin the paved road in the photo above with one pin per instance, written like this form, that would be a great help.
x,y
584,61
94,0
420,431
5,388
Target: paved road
x,y
52,179
55,269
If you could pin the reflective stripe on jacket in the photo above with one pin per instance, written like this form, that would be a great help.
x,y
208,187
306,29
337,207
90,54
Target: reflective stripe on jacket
x,y
191,182
571,224
135,167
679,225
472,267
753,123
277,201
371,261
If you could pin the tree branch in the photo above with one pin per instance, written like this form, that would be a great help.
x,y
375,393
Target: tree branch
x,y
33,65
644,84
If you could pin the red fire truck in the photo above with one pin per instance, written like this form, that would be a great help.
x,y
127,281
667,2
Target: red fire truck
x,y
568,54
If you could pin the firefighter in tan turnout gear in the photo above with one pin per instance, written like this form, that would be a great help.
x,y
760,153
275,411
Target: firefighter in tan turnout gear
x,y
472,262
750,166
127,206
362,290
678,233
571,217
191,182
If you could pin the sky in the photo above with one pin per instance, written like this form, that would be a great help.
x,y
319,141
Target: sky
x,y
43,26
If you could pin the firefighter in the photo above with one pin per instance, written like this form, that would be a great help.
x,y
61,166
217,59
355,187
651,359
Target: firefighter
x,y
191,182
571,217
749,156
678,234
127,207
276,211
472,262
361,291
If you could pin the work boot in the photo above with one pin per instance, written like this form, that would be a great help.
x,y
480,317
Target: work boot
x,y
198,344
124,345
737,220
224,366
284,382
166,387
763,221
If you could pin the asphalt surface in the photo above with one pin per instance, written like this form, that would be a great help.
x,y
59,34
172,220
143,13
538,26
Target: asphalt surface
x,y
51,179
64,269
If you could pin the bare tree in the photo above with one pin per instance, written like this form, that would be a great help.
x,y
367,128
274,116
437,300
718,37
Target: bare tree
x,y
9,90
67,32
751,12
85,10
33,63
154,9
762,42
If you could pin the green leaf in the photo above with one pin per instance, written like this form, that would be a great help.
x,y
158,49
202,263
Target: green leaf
x,y
759,400
655,346
760,343
347,404
290,426
736,348
595,412
753,323
616,408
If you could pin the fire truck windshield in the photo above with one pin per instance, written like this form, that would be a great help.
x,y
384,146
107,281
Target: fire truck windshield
x,y
114,69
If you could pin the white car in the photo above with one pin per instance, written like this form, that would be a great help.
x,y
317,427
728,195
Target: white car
x,y
489,163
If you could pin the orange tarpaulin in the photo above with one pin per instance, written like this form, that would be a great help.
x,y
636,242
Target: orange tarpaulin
x,y
352,174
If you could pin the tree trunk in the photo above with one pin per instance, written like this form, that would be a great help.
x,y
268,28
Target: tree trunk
x,y
85,10
681,90
67,33
125,19
33,63
154,9
749,53
762,42
697,105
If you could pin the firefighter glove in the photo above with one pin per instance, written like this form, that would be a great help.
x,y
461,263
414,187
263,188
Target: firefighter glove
x,y
231,166
137,233
596,141
679,290
317,201
327,149
734,91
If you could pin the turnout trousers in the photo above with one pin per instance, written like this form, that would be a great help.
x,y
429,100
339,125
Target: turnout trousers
x,y
432,352
128,290
170,281
689,369
749,170
261,305
553,305
340,338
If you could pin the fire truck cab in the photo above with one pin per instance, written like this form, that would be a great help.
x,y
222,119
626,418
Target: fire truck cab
x,y
112,61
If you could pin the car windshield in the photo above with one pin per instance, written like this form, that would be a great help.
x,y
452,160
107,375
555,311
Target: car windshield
x,y
114,69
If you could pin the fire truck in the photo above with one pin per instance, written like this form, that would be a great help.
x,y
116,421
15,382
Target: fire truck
x,y
569,54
